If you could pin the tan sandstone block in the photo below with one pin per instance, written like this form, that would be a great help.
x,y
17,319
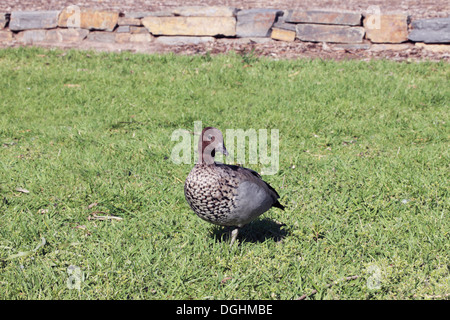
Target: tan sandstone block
x,y
389,28
283,35
90,19
438,48
136,30
6,36
129,21
191,26
4,19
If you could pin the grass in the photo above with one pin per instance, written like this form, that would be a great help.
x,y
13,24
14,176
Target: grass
x,y
364,171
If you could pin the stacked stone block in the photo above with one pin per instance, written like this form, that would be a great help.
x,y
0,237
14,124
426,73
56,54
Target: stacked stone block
x,y
193,25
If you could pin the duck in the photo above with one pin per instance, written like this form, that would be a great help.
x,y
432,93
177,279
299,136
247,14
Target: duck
x,y
224,194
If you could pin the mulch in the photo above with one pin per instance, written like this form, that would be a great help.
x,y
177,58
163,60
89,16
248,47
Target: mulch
x,y
416,8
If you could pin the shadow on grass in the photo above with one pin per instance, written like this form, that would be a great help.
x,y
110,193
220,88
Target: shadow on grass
x,y
257,231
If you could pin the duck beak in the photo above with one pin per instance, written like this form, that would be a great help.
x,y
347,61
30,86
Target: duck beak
x,y
221,148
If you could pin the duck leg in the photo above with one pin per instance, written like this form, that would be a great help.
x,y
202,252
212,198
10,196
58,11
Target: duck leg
x,y
234,235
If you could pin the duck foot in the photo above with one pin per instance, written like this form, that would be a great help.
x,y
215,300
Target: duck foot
x,y
234,235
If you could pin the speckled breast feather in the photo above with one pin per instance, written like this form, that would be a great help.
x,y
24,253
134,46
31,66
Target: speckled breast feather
x,y
211,193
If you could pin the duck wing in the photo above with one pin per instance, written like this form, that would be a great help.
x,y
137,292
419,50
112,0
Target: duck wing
x,y
249,175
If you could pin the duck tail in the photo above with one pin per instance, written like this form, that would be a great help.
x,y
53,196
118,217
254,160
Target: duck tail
x,y
278,205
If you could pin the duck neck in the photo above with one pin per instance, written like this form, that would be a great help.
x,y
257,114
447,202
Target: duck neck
x,y
205,157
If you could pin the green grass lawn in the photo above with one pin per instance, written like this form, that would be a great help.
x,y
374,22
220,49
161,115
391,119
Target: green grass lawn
x,y
364,175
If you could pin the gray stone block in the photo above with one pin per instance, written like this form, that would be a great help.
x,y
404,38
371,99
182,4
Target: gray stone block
x,y
324,17
430,30
31,36
69,35
330,33
429,36
285,26
431,24
122,29
101,36
27,20
51,36
256,22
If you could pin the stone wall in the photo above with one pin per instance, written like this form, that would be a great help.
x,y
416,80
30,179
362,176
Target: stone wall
x,y
190,25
